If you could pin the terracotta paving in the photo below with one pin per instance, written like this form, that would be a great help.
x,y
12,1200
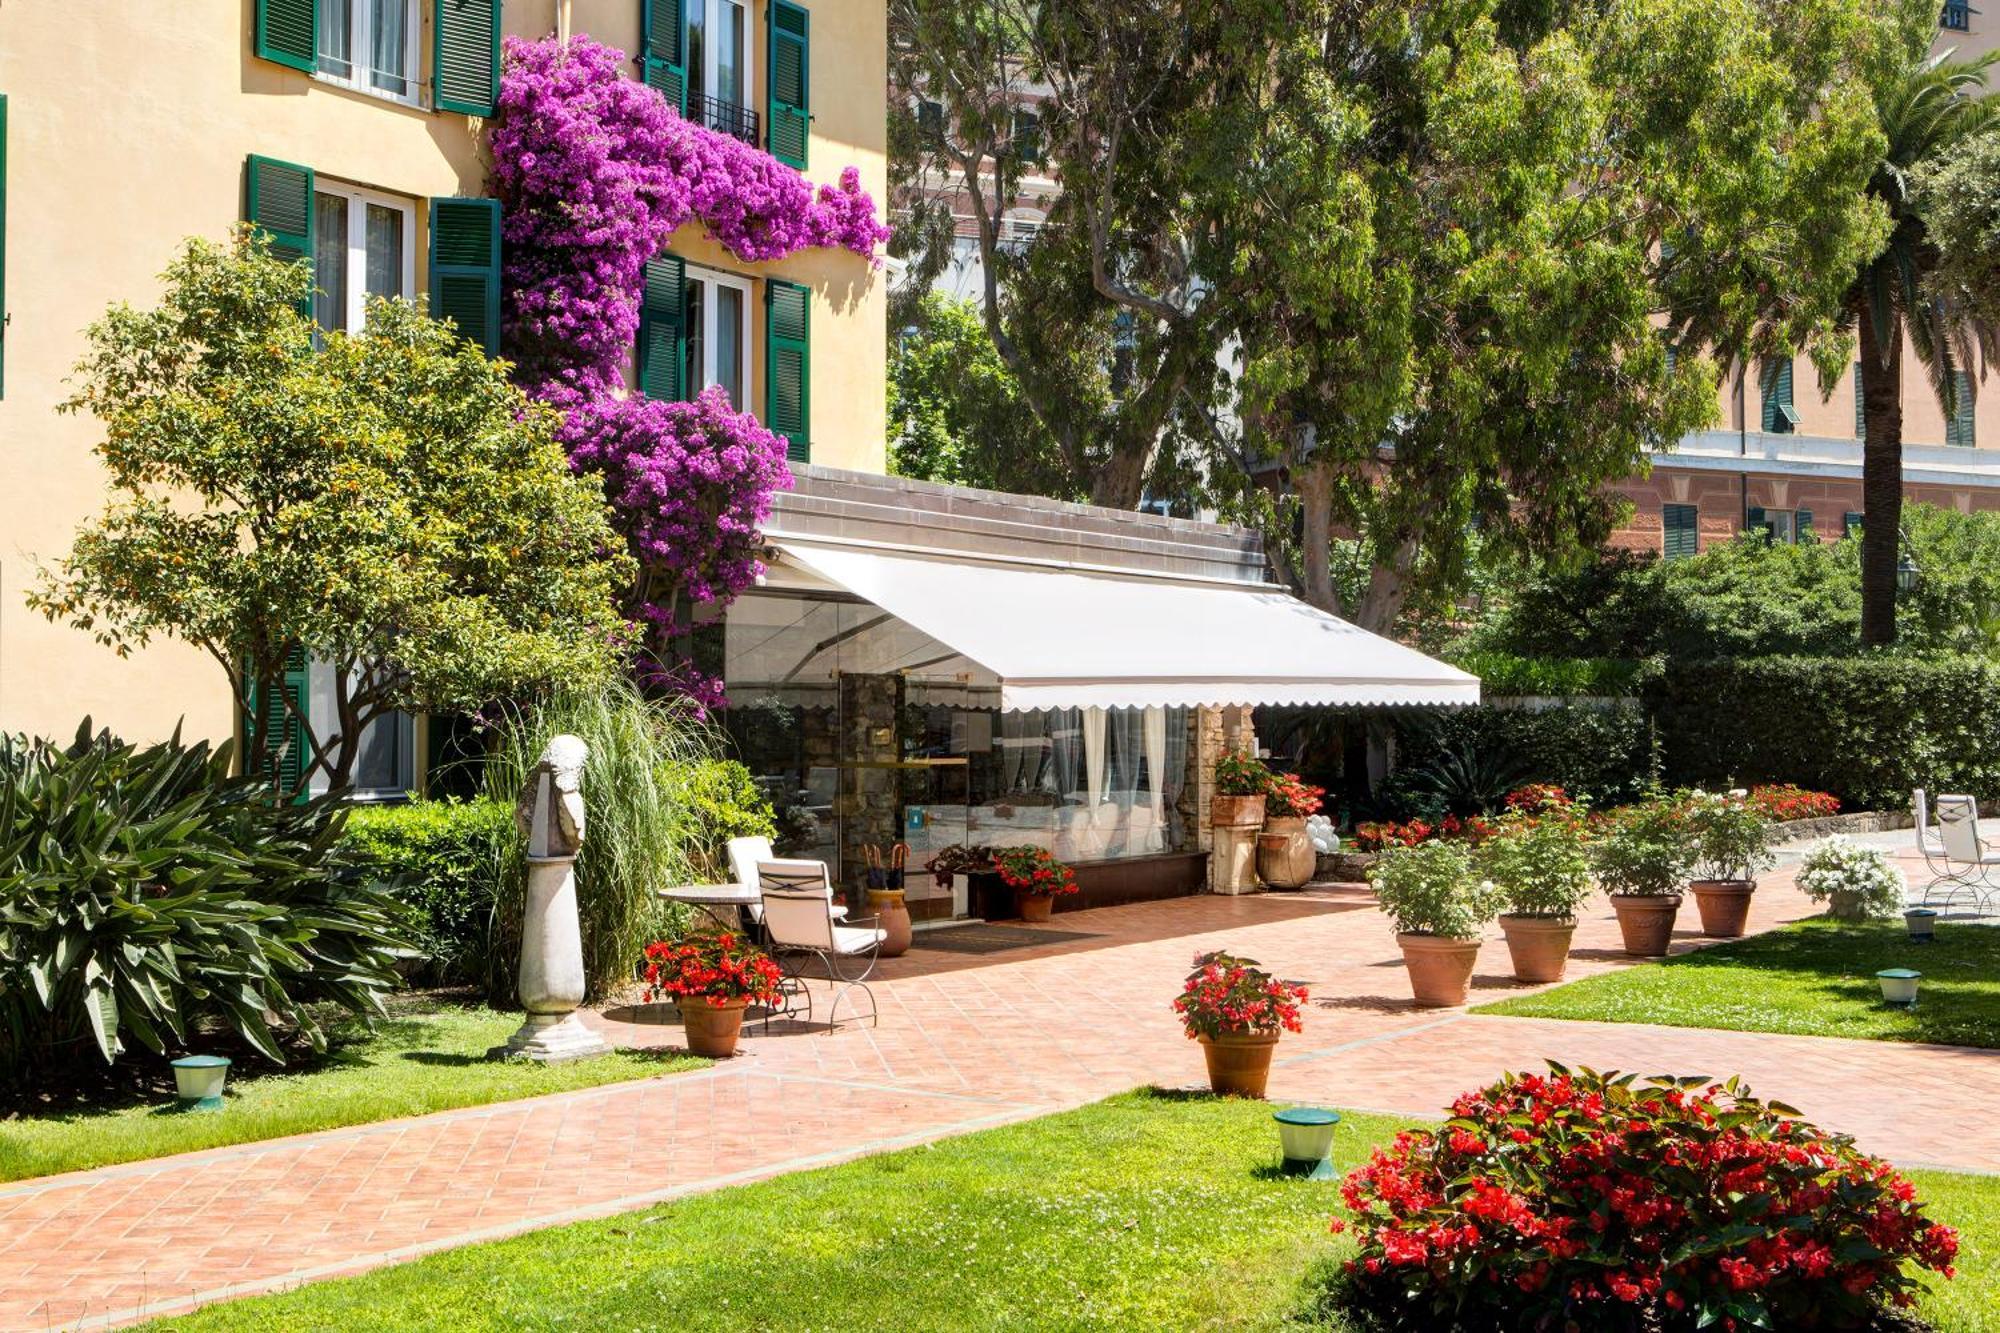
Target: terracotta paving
x,y
963,1042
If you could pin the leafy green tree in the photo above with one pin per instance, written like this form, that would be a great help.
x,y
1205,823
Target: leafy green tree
x,y
956,413
387,503
1931,109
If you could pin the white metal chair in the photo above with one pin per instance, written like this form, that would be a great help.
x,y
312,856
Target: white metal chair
x,y
1930,843
799,920
746,854
1968,862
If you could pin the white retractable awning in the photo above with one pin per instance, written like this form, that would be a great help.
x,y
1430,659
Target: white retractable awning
x,y
1063,638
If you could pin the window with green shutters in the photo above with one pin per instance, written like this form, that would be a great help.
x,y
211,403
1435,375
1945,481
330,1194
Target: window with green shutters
x,y
1028,137
288,32
1960,432
789,124
662,355
1681,526
278,201
788,365
279,722
663,49
1850,523
1775,382
465,268
1803,524
1860,405
465,56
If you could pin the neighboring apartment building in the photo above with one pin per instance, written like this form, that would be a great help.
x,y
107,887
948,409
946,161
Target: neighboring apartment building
x,y
348,128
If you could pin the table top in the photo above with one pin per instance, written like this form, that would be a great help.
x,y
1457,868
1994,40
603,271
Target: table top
x,y
736,895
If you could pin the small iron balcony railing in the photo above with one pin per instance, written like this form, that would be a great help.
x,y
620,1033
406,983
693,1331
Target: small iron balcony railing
x,y
738,122
1957,17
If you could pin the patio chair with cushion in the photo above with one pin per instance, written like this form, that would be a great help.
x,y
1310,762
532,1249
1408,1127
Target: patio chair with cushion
x,y
746,854
1968,862
1930,843
799,921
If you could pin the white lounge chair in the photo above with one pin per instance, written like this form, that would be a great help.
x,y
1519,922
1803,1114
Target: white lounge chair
x,y
799,920
746,854
1930,843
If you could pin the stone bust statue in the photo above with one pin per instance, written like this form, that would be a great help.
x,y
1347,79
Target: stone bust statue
x,y
549,813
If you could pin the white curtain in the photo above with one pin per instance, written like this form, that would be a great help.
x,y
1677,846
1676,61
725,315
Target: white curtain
x,y
1094,756
390,56
1156,767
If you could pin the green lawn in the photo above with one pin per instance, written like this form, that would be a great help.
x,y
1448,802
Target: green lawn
x,y
1816,978
1143,1212
428,1057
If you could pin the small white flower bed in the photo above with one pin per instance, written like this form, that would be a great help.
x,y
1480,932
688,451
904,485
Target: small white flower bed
x,y
1855,879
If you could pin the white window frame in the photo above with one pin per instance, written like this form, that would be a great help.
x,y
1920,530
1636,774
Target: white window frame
x,y
711,314
319,693
360,37
358,200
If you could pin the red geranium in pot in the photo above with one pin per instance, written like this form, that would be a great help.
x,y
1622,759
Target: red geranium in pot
x,y
1237,1011
1036,877
713,975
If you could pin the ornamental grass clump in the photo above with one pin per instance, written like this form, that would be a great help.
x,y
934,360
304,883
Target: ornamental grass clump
x,y
1594,1201
1433,889
1856,881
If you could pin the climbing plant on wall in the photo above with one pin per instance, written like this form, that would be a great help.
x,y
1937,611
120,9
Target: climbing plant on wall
x,y
595,172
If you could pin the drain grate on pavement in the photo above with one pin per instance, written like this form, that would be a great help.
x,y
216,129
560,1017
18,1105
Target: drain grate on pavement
x,y
991,939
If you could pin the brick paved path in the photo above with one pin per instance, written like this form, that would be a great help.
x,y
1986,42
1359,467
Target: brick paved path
x,y
964,1042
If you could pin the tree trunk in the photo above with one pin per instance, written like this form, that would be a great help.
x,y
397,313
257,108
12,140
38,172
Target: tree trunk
x,y
1121,482
1314,483
1881,482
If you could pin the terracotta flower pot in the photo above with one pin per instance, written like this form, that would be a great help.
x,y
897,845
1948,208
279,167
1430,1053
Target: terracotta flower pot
x,y
1440,969
713,1026
1285,855
1035,907
1236,811
892,914
1724,905
1646,921
1239,1064
1539,945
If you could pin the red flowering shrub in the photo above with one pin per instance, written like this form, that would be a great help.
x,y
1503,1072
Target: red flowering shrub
x,y
718,965
1580,1200
1032,871
1783,801
1289,795
1538,798
1227,995
1414,832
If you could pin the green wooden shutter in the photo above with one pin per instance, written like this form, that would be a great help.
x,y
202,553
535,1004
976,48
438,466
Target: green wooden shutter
x,y
465,56
663,46
1850,523
1028,137
662,355
1860,405
788,365
3,245
1802,527
465,267
1780,417
285,759
1959,432
1681,525
288,32
278,201
789,125
1753,521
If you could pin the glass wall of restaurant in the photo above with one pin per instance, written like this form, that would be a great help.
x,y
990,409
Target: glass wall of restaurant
x,y
865,732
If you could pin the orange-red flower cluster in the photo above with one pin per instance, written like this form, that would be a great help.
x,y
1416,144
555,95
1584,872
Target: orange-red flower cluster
x,y
717,965
1782,802
1230,996
1289,794
1033,871
1553,1200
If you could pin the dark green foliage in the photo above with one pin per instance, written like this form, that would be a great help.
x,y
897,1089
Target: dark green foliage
x,y
146,891
443,859
1465,762
1505,676
716,800
1866,729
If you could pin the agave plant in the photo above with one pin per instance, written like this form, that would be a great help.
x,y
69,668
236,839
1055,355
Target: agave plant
x,y
144,892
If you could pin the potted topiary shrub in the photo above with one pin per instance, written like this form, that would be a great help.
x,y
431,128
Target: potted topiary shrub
x,y
1540,866
713,976
1730,839
1286,857
1241,781
1438,906
1036,877
1856,882
1641,861
1237,1011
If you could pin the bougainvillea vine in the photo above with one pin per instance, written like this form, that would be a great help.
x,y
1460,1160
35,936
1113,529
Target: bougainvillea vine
x,y
595,172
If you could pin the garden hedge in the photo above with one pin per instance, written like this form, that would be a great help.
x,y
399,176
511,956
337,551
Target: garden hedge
x,y
443,859
1867,729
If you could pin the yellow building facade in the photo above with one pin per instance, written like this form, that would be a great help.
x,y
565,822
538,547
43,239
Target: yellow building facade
x,y
128,129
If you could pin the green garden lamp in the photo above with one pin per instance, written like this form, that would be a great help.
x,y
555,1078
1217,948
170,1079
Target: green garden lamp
x,y
1899,986
1305,1137
1922,922
198,1081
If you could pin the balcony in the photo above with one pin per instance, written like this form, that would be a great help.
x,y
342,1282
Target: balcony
x,y
738,122
1957,17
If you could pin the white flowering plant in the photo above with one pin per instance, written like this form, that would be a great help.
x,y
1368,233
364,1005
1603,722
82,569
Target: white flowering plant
x,y
1856,880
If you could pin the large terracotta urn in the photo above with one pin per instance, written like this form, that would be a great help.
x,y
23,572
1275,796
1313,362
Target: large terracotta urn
x,y
1285,855
1239,1063
1440,969
1724,905
892,914
1646,920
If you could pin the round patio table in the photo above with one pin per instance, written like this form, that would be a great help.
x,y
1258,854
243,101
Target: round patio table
x,y
714,898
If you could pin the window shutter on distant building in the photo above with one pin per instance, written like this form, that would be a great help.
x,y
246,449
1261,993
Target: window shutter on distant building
x,y
465,268
790,120
788,363
1850,523
662,355
663,43
1780,418
1960,432
1681,525
1860,405
465,58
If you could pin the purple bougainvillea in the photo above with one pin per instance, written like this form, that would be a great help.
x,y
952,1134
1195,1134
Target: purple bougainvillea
x,y
595,172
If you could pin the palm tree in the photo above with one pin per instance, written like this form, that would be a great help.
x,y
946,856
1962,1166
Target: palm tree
x,y
1929,106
